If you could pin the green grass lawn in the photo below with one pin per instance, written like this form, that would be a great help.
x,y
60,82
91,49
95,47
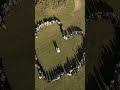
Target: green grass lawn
x,y
46,51
65,14
76,82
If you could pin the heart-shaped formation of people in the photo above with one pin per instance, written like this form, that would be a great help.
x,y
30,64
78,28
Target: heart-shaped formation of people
x,y
101,10
72,65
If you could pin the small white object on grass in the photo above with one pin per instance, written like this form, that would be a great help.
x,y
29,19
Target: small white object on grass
x,y
53,22
40,77
36,36
35,65
65,38
50,23
45,23
69,74
58,50
58,23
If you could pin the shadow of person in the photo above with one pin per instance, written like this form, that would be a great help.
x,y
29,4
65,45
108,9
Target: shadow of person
x,y
55,44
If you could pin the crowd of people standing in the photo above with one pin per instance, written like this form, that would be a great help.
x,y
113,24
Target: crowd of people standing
x,y
71,31
70,67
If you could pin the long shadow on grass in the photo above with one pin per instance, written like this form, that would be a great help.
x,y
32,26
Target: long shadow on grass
x,y
47,19
59,71
104,70
72,29
72,63
55,44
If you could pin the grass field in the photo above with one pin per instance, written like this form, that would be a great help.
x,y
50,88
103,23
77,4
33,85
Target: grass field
x,y
45,48
76,82
46,51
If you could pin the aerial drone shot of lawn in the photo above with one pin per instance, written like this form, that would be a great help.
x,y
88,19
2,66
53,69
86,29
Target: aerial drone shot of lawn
x,y
59,45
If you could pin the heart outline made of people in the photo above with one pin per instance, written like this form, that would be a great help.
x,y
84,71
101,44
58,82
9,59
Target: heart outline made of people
x,y
72,65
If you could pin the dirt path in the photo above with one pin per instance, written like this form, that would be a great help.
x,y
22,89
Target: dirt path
x,y
77,5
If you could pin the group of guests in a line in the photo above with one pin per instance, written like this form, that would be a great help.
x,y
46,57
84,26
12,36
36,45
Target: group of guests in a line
x,y
100,10
73,30
52,75
73,64
53,20
115,82
46,22
39,68
70,67
5,6
55,73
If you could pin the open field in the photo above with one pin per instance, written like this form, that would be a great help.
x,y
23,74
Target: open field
x,y
76,82
77,5
65,14
46,51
